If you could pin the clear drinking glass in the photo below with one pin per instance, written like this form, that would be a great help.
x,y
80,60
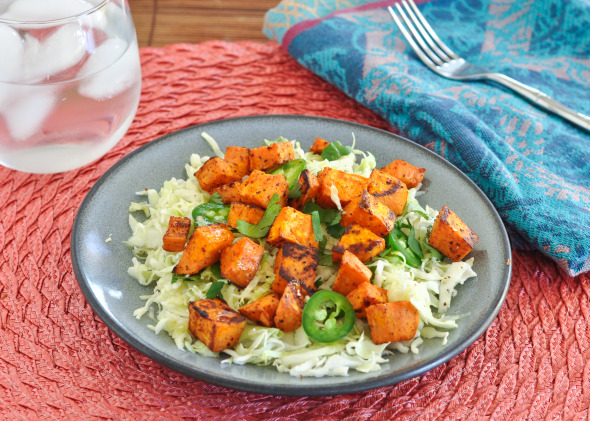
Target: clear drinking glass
x,y
70,81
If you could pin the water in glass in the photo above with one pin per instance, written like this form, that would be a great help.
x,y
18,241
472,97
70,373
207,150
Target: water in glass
x,y
70,81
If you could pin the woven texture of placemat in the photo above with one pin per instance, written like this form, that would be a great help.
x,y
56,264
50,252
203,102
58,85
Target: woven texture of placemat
x,y
59,361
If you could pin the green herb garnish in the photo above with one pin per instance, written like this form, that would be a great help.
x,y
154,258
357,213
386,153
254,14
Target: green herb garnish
x,y
214,290
261,229
335,150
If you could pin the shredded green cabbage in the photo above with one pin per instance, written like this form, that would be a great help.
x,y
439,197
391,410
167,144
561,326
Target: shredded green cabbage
x,y
430,288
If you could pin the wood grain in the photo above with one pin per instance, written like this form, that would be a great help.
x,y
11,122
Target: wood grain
x,y
160,22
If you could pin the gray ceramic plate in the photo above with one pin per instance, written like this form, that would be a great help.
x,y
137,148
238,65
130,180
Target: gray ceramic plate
x,y
101,267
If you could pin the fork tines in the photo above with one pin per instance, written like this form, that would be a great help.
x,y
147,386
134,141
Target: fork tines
x,y
421,37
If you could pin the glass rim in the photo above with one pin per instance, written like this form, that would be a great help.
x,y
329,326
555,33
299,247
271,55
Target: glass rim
x,y
50,22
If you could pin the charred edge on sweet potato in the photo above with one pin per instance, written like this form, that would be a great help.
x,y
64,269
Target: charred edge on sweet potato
x,y
299,263
467,234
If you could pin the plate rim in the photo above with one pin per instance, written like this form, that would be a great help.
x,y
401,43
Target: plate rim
x,y
386,379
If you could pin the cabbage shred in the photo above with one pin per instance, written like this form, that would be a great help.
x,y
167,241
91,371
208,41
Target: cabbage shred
x,y
430,288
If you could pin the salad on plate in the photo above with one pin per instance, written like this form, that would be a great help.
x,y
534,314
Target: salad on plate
x,y
315,262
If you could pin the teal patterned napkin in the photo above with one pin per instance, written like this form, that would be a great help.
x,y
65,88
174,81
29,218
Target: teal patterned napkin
x,y
532,165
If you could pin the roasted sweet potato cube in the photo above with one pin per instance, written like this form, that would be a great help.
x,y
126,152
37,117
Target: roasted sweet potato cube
x,y
295,263
318,146
290,309
240,261
370,213
204,248
215,324
388,190
309,189
242,212
349,186
365,295
360,241
216,172
351,273
263,310
176,234
259,188
240,157
409,174
292,226
270,157
392,322
451,236
228,192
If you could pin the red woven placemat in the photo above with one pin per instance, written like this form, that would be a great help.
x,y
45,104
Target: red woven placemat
x,y
59,361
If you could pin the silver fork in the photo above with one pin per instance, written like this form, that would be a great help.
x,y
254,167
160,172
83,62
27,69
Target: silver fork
x,y
442,60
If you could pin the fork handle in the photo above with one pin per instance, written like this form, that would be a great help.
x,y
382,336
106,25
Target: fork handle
x,y
543,100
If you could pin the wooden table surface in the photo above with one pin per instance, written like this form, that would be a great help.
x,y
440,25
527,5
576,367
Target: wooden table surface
x,y
163,22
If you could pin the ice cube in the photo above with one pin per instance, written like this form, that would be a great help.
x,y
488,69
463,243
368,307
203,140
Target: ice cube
x,y
28,110
7,93
58,52
113,67
98,19
41,10
11,52
110,17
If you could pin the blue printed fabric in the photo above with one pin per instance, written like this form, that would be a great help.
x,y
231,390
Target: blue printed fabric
x,y
532,165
